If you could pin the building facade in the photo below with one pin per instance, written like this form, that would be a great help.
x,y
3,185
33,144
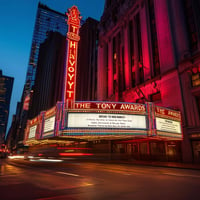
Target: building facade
x,y
86,84
6,86
49,81
149,52
46,20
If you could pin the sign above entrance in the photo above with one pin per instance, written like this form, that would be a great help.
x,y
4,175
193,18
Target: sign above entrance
x,y
167,113
106,120
168,122
110,106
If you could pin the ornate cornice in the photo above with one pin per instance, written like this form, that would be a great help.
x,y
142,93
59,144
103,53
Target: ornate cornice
x,y
116,13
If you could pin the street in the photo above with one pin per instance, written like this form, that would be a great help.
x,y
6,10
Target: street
x,y
78,180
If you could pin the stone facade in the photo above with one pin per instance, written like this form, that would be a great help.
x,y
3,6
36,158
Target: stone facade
x,y
149,52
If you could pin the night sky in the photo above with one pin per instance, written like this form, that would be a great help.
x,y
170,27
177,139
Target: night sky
x,y
17,19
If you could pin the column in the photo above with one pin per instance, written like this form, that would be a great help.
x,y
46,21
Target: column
x,y
127,61
145,35
101,74
110,68
179,29
136,54
164,34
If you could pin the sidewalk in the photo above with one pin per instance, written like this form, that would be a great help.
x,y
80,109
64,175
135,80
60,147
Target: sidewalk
x,y
195,166
161,164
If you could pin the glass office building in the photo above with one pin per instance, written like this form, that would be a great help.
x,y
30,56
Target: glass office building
x,y
46,20
6,85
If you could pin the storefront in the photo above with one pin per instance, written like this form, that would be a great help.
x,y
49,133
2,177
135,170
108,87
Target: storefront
x,y
154,150
195,142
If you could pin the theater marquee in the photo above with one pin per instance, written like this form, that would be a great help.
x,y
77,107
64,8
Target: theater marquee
x,y
93,119
105,120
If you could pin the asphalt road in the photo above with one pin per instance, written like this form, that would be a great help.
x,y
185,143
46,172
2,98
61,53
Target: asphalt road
x,y
75,180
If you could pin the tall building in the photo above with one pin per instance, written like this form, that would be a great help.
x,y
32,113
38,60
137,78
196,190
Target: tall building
x,y
49,81
46,20
149,51
6,85
86,81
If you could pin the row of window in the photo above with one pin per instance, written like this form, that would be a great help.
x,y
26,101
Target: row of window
x,y
135,47
136,63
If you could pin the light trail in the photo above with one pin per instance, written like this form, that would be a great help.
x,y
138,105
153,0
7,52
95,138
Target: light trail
x,y
69,174
182,175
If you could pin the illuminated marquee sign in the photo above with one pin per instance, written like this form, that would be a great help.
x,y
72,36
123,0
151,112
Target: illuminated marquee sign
x,y
33,125
73,38
167,113
110,106
168,122
168,125
49,121
32,132
49,124
105,120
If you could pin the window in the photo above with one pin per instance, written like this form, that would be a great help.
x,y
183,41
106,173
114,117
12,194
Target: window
x,y
133,77
131,40
122,72
190,23
140,56
198,103
195,76
155,97
114,56
115,87
154,40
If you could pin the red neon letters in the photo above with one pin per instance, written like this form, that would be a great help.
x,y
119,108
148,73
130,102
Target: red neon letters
x,y
73,38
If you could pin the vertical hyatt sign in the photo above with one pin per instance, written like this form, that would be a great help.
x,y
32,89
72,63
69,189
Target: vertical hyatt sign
x,y
73,38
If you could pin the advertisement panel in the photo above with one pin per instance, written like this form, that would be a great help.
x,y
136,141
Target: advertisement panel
x,y
49,124
105,120
168,125
168,122
32,132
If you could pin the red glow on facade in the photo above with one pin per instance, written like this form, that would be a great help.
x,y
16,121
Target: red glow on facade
x,y
73,38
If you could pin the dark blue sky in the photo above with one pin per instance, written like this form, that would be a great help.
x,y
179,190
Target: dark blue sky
x,y
17,18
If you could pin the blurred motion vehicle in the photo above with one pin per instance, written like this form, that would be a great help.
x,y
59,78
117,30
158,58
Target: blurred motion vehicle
x,y
60,151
